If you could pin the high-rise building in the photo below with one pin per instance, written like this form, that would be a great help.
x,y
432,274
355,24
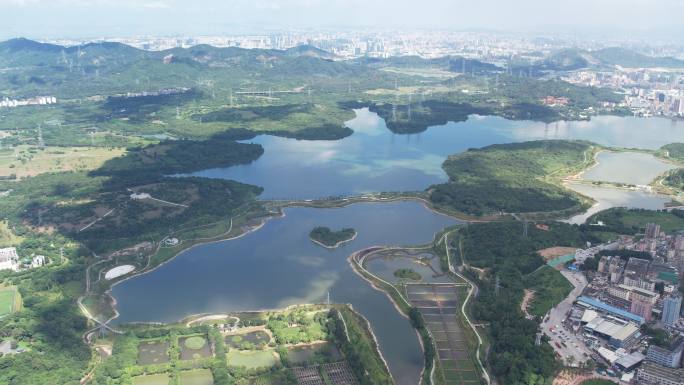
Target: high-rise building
x,y
642,308
652,230
672,307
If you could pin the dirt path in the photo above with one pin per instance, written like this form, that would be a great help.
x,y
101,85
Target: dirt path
x,y
527,299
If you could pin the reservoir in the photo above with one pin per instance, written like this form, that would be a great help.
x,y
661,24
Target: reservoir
x,y
626,167
630,168
279,265
374,159
607,197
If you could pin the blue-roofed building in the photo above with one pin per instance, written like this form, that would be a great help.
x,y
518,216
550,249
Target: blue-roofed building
x,y
604,307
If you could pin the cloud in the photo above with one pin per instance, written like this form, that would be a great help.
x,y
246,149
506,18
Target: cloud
x,y
61,18
88,3
157,5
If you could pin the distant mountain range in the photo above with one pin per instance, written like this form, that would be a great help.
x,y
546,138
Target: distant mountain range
x,y
23,51
572,59
29,67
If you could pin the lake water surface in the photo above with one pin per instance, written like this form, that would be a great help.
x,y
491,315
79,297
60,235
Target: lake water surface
x,y
626,167
375,159
278,265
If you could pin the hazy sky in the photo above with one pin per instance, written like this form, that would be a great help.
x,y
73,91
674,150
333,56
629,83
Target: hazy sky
x,y
94,18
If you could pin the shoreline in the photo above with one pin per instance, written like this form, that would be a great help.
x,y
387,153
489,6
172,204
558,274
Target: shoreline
x,y
218,238
279,211
356,264
336,245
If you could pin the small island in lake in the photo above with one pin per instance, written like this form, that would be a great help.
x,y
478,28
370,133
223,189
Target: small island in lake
x,y
407,274
327,238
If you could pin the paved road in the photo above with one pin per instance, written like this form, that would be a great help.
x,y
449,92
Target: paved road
x,y
574,347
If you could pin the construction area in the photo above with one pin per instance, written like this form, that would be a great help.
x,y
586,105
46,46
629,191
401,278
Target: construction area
x,y
440,306
336,373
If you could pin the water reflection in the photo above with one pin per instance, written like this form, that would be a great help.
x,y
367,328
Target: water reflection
x,y
375,159
626,167
278,265
608,197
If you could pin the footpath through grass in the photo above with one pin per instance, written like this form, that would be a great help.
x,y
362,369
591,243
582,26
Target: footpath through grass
x,y
10,300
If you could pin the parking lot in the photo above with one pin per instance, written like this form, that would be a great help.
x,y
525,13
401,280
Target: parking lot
x,y
563,340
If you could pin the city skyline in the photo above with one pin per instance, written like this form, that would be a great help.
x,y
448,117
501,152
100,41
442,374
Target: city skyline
x,y
81,19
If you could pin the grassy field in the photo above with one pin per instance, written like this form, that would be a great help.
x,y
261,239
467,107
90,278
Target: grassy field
x,y
197,377
154,379
194,347
10,300
27,160
251,359
634,221
7,237
195,342
550,288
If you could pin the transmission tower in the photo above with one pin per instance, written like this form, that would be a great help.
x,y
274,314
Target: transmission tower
x,y
497,286
328,301
525,224
409,106
41,143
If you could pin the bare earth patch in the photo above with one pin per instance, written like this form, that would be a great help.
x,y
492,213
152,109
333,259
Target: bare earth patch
x,y
527,299
555,252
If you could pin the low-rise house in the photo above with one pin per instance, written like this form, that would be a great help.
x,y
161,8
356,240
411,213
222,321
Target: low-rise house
x,y
9,260
653,374
38,261
670,356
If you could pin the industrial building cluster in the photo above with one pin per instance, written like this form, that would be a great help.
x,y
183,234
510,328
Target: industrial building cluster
x,y
628,317
647,92
35,101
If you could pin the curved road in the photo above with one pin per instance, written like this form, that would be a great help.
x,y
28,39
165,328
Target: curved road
x,y
472,291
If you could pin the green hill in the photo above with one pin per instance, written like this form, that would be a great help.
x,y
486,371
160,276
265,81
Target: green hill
x,y
510,178
628,58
